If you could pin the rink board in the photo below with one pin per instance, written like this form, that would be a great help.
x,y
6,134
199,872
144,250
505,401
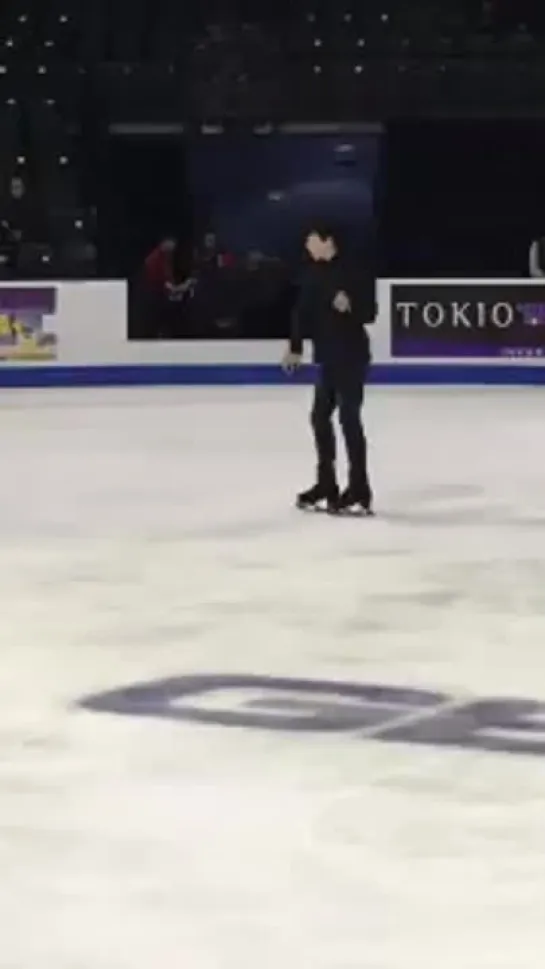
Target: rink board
x,y
426,332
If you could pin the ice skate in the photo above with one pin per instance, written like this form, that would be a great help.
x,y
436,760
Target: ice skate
x,y
355,501
318,498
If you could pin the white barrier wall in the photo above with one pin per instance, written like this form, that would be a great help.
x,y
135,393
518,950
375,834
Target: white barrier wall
x,y
426,330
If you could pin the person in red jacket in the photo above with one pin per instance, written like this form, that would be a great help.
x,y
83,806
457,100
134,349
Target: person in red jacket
x,y
159,265
168,288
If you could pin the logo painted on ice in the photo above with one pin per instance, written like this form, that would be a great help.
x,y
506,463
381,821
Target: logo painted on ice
x,y
384,713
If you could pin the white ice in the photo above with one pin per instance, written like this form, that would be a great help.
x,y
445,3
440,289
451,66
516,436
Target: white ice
x,y
147,534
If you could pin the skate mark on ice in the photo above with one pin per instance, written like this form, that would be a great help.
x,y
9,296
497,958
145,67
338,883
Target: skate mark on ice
x,y
441,493
485,516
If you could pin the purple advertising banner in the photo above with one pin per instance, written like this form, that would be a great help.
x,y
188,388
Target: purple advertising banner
x,y
25,328
460,320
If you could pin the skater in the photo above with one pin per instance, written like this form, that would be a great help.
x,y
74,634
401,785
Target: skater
x,y
336,301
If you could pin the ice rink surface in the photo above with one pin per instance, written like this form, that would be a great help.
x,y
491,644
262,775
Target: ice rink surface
x,y
149,534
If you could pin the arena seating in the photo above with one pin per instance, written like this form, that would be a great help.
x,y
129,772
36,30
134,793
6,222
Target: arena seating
x,y
69,69
160,60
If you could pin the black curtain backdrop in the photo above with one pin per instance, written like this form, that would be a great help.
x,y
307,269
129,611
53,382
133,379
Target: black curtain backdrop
x,y
143,195
463,198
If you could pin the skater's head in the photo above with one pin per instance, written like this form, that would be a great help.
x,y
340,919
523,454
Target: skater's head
x,y
321,243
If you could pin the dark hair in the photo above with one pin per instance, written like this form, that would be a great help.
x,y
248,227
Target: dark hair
x,y
322,229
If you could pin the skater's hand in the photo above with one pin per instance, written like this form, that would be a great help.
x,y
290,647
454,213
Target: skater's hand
x,y
342,302
291,362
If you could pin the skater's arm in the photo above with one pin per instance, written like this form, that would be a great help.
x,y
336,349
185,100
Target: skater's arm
x,y
301,317
360,286
296,334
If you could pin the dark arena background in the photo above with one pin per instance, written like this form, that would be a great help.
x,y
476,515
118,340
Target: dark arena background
x,y
235,734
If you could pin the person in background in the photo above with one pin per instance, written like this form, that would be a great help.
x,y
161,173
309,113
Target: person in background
x,y
211,255
18,222
336,301
209,248
18,212
537,258
158,266
168,288
219,290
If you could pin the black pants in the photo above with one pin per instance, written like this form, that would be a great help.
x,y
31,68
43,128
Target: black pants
x,y
341,388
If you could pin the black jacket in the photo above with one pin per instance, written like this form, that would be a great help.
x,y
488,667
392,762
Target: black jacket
x,y
336,337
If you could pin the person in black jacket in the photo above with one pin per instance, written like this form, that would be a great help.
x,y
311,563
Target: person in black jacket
x,y
337,299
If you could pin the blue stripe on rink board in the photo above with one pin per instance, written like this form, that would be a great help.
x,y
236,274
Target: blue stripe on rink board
x,y
261,374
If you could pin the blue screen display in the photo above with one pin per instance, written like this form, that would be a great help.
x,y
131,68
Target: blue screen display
x,y
260,192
